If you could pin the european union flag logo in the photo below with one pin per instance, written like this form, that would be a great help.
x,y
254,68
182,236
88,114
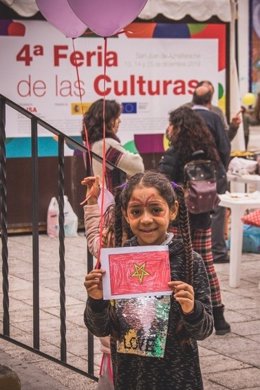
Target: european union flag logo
x,y
129,108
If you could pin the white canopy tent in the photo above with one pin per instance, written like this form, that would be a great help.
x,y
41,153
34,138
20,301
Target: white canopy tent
x,y
200,10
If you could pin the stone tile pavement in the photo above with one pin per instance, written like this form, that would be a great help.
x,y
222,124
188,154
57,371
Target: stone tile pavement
x,y
228,362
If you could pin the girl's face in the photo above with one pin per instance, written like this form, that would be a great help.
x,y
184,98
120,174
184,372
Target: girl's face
x,y
149,215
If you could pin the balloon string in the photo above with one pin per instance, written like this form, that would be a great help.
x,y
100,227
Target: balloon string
x,y
103,156
82,112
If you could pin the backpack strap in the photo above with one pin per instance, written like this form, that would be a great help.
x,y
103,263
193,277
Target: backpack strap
x,y
198,154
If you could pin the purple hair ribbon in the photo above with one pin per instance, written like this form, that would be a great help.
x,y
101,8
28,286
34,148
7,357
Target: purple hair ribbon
x,y
174,185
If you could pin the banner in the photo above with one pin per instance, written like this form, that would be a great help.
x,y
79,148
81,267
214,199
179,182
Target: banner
x,y
151,69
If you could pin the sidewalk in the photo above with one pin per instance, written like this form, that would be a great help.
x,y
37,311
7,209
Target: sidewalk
x,y
228,362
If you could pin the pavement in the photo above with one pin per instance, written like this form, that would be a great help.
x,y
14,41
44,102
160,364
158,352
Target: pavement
x,y
227,362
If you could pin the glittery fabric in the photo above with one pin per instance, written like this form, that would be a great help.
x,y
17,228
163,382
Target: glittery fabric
x,y
145,324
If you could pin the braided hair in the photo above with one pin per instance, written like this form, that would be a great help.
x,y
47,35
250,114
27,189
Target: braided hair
x,y
121,227
184,225
170,192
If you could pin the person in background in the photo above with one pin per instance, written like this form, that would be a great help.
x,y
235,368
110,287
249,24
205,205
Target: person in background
x,y
129,163
147,204
231,128
202,103
188,133
251,117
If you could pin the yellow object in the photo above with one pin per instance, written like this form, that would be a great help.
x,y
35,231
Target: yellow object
x,y
248,99
166,142
79,108
241,153
222,103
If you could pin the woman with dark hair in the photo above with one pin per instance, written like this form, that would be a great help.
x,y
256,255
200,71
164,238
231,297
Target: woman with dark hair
x,y
188,134
128,162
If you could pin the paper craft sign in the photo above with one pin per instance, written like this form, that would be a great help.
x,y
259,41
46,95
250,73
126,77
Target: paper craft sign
x,y
135,271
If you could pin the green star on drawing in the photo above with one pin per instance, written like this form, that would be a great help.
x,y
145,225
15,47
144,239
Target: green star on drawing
x,y
140,272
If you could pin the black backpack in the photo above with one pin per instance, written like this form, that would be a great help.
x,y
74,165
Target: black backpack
x,y
200,184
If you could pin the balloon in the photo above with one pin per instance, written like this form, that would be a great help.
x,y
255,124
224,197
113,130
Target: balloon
x,y
61,16
249,99
107,17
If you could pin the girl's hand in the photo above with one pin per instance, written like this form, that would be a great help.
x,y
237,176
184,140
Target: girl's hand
x,y
93,283
184,294
93,189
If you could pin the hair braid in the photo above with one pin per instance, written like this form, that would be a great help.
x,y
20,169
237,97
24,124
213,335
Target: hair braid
x,y
118,219
121,228
184,226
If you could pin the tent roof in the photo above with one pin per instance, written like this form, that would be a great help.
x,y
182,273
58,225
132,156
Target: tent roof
x,y
199,10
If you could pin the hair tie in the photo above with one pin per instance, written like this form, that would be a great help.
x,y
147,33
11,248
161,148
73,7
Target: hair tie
x,y
174,185
123,186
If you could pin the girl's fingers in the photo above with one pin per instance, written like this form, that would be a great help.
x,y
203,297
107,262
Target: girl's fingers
x,y
91,285
92,192
184,301
97,180
88,179
184,294
95,273
86,199
94,276
179,285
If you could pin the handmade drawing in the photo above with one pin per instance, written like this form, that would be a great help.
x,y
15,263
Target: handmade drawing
x,y
135,271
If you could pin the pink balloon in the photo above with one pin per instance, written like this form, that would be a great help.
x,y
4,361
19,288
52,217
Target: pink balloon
x,y
61,16
107,17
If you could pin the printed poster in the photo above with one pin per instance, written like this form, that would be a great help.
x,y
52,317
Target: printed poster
x,y
151,69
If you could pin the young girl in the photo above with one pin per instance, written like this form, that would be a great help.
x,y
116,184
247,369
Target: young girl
x,y
148,204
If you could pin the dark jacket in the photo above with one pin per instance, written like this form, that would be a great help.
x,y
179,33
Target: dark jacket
x,y
179,369
230,129
216,128
170,165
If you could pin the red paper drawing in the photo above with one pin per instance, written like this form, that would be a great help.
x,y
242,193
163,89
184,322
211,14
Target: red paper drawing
x,y
139,272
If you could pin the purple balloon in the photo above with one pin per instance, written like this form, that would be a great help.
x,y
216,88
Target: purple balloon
x,y
107,17
61,16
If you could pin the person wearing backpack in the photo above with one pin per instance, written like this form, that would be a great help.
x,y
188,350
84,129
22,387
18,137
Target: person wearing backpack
x,y
202,102
188,134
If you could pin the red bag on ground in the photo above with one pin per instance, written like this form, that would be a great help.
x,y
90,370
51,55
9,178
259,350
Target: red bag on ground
x,y
252,218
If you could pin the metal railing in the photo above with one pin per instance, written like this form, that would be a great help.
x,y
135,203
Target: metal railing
x,y
62,138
